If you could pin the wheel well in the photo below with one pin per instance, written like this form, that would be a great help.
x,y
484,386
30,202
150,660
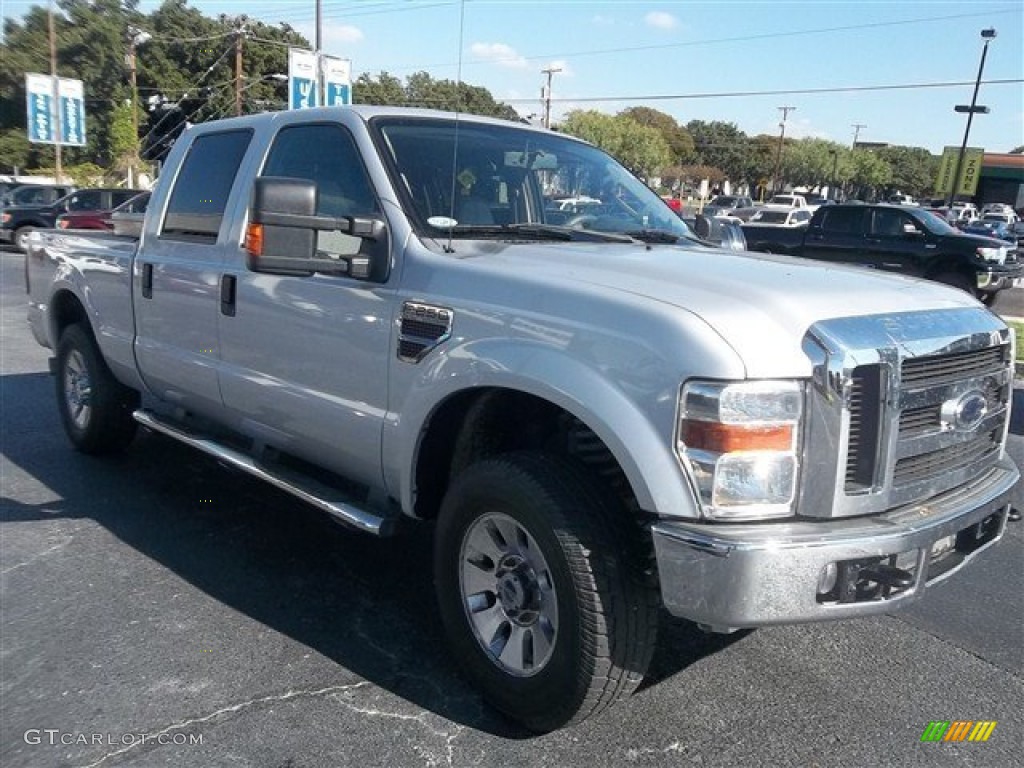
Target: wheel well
x,y
36,224
65,310
485,422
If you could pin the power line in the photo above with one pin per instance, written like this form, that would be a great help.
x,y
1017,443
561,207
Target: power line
x,y
714,41
777,92
194,87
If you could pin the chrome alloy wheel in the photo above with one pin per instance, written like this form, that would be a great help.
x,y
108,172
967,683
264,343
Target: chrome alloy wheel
x,y
77,389
508,594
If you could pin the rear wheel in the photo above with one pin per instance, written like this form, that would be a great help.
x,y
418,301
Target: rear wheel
x,y
21,236
95,407
544,606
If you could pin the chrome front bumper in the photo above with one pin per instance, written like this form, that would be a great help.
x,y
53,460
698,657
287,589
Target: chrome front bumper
x,y
749,575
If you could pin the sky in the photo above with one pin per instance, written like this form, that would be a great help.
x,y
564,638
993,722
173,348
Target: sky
x,y
731,60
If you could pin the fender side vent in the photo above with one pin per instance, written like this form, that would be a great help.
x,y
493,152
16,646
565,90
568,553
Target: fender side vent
x,y
421,329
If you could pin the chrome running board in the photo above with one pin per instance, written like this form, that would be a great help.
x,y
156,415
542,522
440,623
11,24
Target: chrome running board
x,y
305,488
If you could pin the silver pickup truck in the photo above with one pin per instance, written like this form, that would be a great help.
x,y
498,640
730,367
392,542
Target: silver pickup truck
x,y
388,314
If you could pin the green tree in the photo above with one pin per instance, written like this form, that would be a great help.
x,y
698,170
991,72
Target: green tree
x,y
678,139
721,145
14,150
868,173
385,90
913,169
421,90
640,148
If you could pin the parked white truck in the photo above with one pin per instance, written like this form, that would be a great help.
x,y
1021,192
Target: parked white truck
x,y
375,310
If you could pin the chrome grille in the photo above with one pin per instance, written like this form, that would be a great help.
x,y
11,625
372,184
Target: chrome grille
x,y
943,369
927,465
904,407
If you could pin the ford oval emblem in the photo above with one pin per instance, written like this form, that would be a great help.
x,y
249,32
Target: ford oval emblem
x,y
966,412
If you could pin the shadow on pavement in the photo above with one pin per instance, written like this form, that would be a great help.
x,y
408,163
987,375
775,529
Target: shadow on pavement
x,y
367,604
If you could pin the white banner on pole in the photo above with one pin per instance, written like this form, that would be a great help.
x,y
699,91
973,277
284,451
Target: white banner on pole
x,y
337,81
302,79
45,107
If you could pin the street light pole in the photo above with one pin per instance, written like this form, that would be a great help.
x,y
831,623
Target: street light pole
x,y
988,35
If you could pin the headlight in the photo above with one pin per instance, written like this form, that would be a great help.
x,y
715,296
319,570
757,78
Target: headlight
x,y
741,441
997,255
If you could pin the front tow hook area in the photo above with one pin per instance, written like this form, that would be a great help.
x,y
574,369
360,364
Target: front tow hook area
x,y
1014,515
888,576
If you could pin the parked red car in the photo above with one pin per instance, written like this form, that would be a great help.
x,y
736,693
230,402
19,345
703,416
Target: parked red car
x,y
102,219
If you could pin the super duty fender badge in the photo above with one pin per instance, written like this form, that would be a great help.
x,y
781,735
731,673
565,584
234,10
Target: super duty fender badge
x,y
422,327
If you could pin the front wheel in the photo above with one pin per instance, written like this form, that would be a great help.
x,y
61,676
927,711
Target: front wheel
x,y
95,407
543,602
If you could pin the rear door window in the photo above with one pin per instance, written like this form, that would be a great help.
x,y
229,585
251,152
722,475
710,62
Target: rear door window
x,y
842,221
200,195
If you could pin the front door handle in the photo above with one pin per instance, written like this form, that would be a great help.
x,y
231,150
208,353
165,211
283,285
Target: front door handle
x,y
147,281
227,295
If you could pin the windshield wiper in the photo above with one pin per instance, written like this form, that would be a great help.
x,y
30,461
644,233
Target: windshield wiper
x,y
543,231
655,236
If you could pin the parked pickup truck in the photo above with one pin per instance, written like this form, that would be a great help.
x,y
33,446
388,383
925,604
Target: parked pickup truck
x,y
20,221
901,239
367,308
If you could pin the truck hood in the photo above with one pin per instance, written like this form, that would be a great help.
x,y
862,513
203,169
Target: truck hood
x,y
761,305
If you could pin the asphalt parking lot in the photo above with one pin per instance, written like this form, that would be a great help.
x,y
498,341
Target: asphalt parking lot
x,y
159,610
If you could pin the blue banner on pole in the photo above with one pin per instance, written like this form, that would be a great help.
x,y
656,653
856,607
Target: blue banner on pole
x,y
55,114
40,128
72,113
338,94
337,74
302,79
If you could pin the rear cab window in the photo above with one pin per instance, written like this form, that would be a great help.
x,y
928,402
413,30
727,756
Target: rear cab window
x,y
196,207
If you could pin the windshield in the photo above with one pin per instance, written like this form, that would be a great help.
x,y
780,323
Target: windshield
x,y
468,179
771,217
724,201
936,224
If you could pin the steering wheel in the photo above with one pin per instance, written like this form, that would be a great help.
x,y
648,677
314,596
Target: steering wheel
x,y
580,220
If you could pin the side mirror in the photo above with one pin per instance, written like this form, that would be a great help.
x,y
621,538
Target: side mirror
x,y
285,235
911,231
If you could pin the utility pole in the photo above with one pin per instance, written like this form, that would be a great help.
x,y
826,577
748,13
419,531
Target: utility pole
x,y
856,133
320,95
238,68
547,94
135,38
55,112
782,137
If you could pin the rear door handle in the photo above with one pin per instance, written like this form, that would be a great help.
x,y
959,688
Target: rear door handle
x,y
227,295
147,281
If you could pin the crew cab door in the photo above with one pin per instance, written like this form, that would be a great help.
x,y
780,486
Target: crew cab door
x,y
305,358
896,242
836,234
176,281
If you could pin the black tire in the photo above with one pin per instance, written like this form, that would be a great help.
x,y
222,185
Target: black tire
x,y
957,280
21,235
605,611
96,408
